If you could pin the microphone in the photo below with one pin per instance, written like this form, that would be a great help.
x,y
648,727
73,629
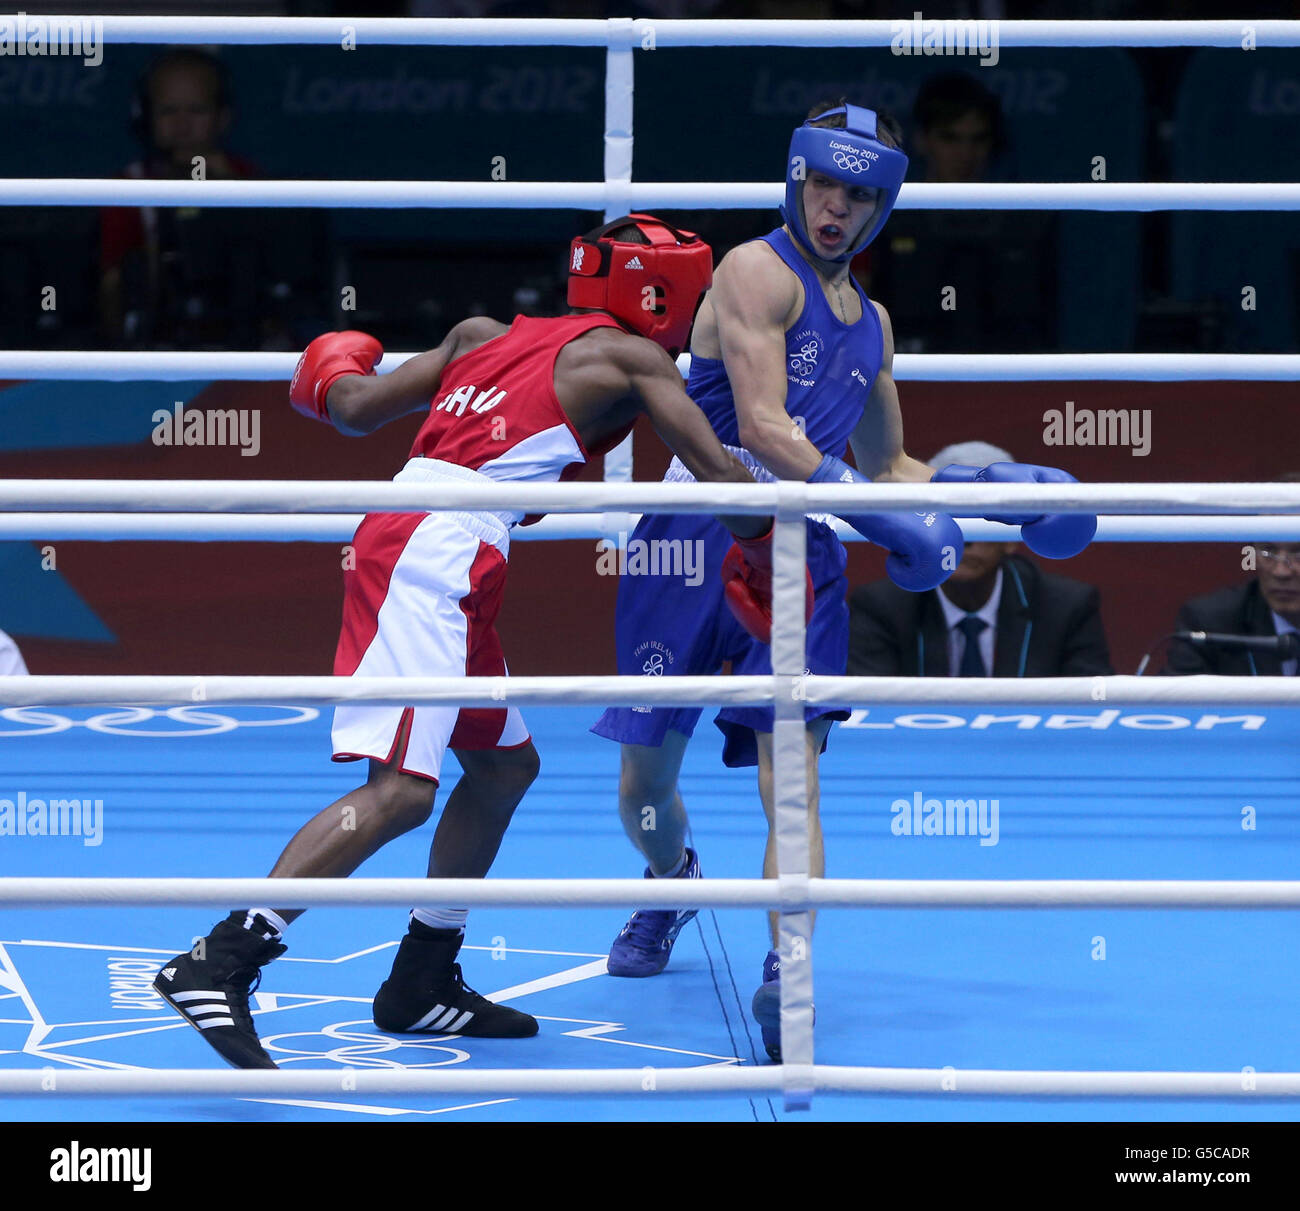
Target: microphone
x,y
1286,646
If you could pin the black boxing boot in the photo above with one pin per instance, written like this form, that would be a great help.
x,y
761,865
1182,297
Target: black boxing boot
x,y
425,993
209,986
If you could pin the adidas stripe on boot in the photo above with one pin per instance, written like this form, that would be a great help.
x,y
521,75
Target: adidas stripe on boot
x,y
426,994
211,992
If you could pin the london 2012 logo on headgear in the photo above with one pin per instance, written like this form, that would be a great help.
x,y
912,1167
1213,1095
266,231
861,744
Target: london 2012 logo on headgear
x,y
851,163
853,159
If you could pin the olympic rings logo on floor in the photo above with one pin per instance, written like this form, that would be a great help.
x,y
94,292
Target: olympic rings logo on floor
x,y
124,721
360,1049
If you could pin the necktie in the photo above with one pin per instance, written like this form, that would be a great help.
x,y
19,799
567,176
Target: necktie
x,y
972,663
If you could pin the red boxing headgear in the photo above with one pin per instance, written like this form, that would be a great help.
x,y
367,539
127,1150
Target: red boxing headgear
x,y
654,289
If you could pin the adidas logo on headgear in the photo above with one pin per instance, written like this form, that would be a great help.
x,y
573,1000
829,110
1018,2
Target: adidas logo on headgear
x,y
634,263
168,973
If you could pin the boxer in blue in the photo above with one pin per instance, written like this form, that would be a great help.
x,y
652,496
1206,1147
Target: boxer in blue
x,y
791,363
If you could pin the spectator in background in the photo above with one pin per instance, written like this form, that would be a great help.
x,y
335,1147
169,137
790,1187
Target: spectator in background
x,y
201,278
966,281
997,615
1266,605
11,659
180,113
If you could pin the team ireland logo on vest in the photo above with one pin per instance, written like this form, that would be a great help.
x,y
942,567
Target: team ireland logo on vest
x,y
804,350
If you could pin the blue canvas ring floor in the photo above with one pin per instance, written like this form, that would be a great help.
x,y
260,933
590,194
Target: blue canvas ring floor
x,y
1194,793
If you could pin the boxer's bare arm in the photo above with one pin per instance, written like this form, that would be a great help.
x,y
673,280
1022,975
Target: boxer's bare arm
x,y
607,377
361,404
657,384
677,418
753,299
877,440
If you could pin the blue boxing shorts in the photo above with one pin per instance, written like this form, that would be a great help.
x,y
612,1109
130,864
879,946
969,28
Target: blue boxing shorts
x,y
672,620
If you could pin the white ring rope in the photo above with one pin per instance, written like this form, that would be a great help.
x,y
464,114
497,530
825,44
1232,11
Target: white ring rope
x,y
792,893
622,196
636,690
718,1081
787,497
785,893
94,365
647,32
340,528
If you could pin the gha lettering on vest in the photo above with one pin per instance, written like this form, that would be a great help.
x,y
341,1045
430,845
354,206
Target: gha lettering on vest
x,y
469,396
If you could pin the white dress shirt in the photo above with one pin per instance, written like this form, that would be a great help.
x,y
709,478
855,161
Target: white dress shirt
x,y
953,614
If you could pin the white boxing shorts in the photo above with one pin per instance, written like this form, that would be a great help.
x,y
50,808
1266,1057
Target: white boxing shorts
x,y
421,600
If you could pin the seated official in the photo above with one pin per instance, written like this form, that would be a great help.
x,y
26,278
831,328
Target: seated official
x,y
1268,604
997,615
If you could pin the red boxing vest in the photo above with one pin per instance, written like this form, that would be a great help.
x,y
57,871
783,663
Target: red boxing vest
x,y
496,412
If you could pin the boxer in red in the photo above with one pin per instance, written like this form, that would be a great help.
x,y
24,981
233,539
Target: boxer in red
x,y
532,401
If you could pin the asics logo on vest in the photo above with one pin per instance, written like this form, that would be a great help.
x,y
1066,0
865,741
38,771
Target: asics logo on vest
x,y
852,163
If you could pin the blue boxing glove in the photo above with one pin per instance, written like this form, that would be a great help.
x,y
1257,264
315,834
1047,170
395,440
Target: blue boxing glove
x,y
924,548
1052,535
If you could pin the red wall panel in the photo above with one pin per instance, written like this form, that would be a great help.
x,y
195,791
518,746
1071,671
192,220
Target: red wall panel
x,y
275,607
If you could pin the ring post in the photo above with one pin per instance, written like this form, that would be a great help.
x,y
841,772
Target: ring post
x,y
790,793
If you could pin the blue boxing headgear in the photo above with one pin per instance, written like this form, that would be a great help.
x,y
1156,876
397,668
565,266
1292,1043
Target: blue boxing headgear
x,y
853,155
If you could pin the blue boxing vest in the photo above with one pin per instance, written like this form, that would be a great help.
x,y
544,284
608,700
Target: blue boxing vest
x,y
831,366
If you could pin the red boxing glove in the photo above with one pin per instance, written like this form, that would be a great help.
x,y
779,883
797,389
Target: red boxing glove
x,y
747,585
326,360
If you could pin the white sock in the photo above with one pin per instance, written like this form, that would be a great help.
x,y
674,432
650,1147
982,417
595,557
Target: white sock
x,y
677,868
441,918
271,917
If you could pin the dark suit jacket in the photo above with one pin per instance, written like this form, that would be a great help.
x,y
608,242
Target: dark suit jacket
x,y
1048,626
1239,610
